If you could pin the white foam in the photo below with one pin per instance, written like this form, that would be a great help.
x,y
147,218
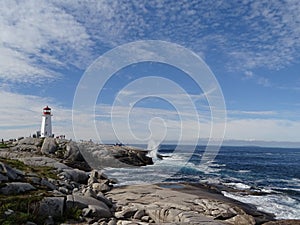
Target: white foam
x,y
289,189
239,186
210,181
283,207
244,171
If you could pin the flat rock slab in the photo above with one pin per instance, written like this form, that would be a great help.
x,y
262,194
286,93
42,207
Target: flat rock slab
x,y
163,205
93,206
16,188
43,161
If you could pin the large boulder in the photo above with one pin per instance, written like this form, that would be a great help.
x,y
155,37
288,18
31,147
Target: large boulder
x,y
82,202
31,141
52,206
16,188
10,173
242,220
91,206
101,187
49,146
72,152
99,211
3,178
76,175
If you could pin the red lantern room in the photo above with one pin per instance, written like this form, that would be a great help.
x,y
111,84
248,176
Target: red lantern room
x,y
47,111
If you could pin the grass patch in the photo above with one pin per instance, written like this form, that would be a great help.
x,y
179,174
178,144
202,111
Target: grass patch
x,y
41,171
3,145
15,164
73,214
25,208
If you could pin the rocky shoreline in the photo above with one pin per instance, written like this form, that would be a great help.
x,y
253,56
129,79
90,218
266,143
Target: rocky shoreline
x,y
48,181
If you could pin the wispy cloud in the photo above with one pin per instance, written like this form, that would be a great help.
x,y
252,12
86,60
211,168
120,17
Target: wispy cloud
x,y
21,115
262,129
37,39
260,80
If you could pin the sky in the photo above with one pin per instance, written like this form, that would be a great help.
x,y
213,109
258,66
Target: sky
x,y
251,47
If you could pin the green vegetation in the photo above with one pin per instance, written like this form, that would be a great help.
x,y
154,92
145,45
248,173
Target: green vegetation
x,y
42,171
3,145
24,207
73,213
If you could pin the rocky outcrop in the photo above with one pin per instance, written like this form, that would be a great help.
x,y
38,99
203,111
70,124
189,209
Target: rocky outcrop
x,y
156,204
69,193
49,146
101,156
77,154
283,222
72,152
49,180
16,188
52,206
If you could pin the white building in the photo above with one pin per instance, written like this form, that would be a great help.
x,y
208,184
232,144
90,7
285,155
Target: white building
x,y
46,128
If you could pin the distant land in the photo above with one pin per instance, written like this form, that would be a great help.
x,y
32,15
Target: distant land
x,y
258,143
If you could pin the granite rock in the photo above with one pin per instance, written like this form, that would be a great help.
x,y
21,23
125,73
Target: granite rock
x,y
49,146
52,206
16,188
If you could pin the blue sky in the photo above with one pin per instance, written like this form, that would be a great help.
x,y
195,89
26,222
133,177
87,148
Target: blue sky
x,y
252,48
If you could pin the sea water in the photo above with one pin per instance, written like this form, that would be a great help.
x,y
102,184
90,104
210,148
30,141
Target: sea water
x,y
270,175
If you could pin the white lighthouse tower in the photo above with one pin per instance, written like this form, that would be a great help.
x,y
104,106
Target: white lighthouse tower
x,y
46,128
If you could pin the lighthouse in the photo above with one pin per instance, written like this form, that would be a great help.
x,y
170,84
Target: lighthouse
x,y
46,128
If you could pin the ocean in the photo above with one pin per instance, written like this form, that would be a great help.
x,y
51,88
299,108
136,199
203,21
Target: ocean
x,y
268,178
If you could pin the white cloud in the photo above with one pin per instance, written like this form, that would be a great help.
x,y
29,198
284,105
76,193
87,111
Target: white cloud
x,y
260,80
248,74
20,115
264,125
37,37
264,82
263,129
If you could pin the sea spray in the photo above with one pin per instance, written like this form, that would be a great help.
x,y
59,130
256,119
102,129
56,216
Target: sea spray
x,y
153,148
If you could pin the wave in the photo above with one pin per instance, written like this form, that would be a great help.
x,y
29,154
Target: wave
x,y
244,171
239,186
282,206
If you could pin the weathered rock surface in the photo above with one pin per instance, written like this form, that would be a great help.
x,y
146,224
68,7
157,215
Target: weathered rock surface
x,y
88,196
52,206
43,161
9,173
283,222
31,141
49,146
100,156
72,152
81,202
165,205
76,175
16,188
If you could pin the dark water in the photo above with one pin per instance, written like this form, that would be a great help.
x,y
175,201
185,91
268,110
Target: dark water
x,y
275,172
